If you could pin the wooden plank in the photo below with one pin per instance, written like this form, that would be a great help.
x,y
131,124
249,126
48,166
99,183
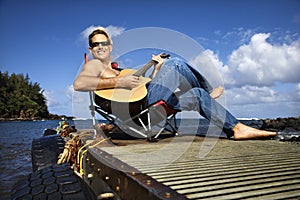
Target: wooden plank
x,y
246,169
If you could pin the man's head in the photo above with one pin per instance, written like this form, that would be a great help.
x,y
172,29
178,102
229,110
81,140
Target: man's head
x,y
100,44
97,31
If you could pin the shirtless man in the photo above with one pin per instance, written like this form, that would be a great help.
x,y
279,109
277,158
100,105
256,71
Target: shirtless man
x,y
98,74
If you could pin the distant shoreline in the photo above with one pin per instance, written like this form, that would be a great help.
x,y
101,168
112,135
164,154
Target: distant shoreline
x,y
52,117
63,117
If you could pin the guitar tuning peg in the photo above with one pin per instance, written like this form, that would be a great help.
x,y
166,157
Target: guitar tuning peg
x,y
164,55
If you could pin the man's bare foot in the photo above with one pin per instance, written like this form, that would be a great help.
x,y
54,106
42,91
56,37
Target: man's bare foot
x,y
243,132
217,92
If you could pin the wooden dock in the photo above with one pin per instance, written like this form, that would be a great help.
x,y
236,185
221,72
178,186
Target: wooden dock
x,y
190,167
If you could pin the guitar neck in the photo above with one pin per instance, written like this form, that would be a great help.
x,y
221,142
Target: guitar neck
x,y
143,70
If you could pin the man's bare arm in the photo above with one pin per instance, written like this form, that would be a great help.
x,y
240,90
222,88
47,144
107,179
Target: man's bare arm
x,y
91,83
90,78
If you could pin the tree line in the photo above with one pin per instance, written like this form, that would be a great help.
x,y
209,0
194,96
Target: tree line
x,y
20,98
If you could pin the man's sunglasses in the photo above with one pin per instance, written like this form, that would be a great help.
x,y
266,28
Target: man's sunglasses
x,y
95,44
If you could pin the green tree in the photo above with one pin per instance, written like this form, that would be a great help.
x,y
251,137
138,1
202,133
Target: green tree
x,y
21,98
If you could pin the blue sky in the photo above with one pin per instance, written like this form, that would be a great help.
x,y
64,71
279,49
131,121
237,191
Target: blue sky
x,y
255,45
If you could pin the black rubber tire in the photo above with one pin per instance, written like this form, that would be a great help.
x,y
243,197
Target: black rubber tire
x,y
45,151
55,182
49,131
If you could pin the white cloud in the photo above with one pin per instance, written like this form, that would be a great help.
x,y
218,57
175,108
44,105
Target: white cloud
x,y
112,30
213,68
257,63
261,63
253,95
59,101
262,102
50,96
240,33
209,66
261,78
81,105
298,90
69,92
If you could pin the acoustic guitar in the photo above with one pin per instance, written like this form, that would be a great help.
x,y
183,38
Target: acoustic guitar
x,y
130,94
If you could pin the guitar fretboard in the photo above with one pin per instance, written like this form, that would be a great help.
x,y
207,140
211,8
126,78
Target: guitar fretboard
x,y
143,70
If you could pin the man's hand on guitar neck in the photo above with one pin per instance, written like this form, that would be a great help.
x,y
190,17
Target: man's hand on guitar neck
x,y
158,63
157,59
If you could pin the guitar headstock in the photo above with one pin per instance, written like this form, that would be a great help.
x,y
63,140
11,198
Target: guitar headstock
x,y
164,55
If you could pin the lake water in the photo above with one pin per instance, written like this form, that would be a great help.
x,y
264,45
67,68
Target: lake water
x,y
15,146
16,138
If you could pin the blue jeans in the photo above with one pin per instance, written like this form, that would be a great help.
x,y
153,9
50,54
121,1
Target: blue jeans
x,y
184,88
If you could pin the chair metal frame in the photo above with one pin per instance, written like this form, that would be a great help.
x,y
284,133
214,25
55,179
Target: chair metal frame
x,y
146,124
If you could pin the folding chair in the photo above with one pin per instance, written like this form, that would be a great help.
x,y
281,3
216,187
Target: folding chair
x,y
140,121
158,114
